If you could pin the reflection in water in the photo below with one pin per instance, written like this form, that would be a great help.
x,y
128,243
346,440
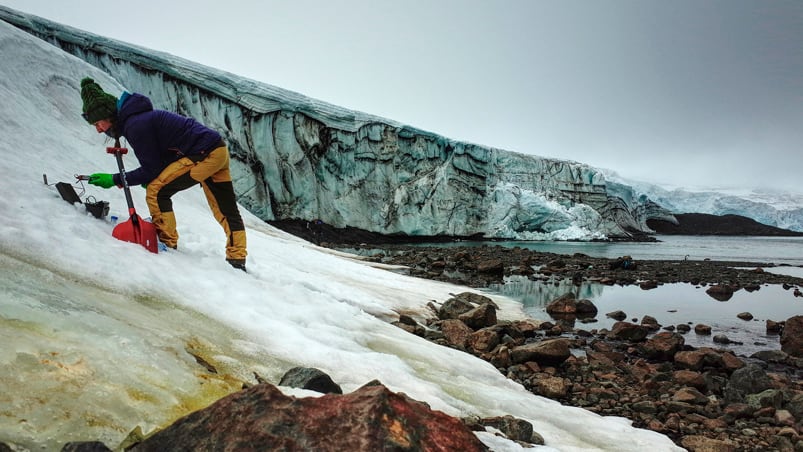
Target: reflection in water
x,y
670,304
537,294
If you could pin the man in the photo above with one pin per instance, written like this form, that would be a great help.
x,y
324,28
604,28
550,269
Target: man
x,y
174,153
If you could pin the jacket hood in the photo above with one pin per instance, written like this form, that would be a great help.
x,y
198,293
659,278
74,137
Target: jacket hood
x,y
131,105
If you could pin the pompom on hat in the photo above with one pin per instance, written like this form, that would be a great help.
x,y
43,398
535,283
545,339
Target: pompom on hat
x,y
97,104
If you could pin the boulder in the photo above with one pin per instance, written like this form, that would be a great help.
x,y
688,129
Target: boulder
x,y
491,266
83,446
720,292
617,315
310,378
453,307
698,359
651,323
567,304
662,346
550,352
750,379
514,428
629,332
480,317
745,316
552,387
456,332
702,329
792,336
484,340
774,327
262,418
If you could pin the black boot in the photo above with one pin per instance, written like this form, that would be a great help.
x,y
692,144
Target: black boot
x,y
237,263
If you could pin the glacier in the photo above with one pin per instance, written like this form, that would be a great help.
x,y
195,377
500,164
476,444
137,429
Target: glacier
x,y
294,157
101,337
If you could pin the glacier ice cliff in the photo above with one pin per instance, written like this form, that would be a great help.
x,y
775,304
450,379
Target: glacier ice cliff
x,y
298,158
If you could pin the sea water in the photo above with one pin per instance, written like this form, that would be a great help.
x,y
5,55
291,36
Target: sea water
x,y
674,304
778,250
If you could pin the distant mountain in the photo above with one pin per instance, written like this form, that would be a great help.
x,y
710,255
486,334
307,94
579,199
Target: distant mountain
x,y
706,224
775,208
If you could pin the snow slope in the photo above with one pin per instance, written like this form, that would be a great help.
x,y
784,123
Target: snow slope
x,y
99,335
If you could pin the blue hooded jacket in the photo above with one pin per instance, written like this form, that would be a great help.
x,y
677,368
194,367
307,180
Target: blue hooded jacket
x,y
159,137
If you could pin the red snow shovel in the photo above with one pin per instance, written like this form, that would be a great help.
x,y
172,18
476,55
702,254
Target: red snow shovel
x,y
135,230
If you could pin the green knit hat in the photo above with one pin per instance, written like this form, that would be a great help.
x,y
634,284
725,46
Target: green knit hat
x,y
97,104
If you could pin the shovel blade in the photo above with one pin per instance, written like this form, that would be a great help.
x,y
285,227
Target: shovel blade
x,y
137,230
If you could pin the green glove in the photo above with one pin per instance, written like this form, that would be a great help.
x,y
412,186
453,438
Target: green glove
x,y
145,186
102,180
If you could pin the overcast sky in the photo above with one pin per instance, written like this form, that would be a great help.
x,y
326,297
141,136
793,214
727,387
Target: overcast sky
x,y
683,92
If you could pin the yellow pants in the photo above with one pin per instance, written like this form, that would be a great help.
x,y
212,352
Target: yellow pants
x,y
212,172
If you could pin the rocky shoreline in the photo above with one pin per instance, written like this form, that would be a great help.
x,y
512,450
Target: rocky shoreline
x,y
703,398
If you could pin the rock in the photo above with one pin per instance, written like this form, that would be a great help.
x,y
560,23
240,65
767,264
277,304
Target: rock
x,y
772,398
698,359
699,443
567,304
701,329
492,267
484,340
721,339
720,292
792,336
585,308
456,332
480,317
644,406
690,395
552,387
84,446
453,307
649,285
689,378
770,356
262,418
683,328
617,315
513,428
409,324
774,327
750,379
628,331
730,362
549,352
745,316
310,378
784,417
662,346
475,299
795,406
650,322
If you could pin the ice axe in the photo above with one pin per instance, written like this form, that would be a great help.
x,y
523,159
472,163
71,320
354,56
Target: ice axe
x,y
135,230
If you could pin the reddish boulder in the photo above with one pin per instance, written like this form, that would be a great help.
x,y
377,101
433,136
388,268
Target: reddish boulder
x,y
262,418
567,304
663,346
456,332
479,317
629,331
792,336
721,292
550,352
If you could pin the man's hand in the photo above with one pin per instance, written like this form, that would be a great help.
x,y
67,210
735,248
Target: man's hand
x,y
102,180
